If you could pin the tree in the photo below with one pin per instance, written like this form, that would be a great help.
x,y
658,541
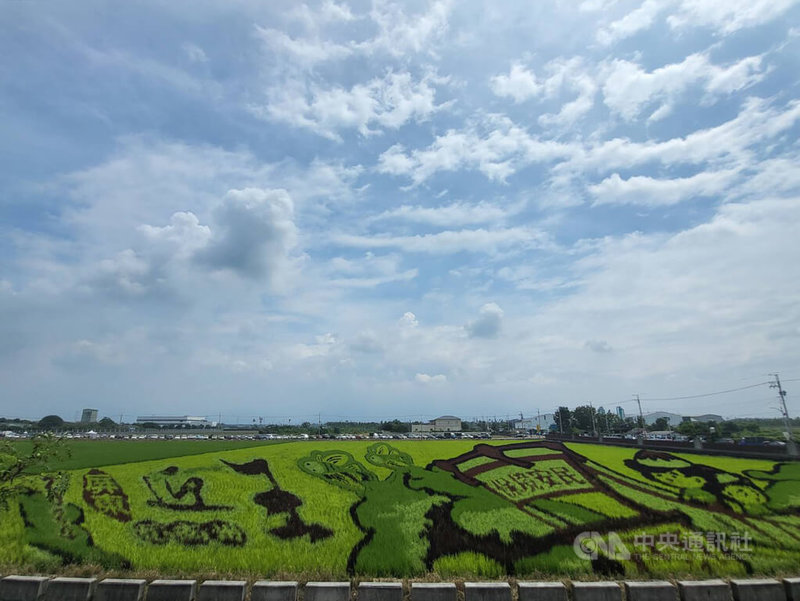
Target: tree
x,y
395,426
729,428
583,418
661,424
107,422
18,460
562,417
51,422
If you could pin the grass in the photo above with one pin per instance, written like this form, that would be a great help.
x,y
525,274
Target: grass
x,y
600,503
328,509
100,453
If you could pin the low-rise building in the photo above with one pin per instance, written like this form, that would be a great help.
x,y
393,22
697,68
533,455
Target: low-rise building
x,y
707,417
445,423
673,419
541,422
173,421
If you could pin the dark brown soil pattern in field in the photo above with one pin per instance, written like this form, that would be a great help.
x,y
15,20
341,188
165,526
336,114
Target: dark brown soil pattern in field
x,y
277,501
102,493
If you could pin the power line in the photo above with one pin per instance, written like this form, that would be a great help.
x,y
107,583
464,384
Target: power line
x,y
699,396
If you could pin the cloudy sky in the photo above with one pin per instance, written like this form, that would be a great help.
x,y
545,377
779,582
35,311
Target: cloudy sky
x,y
375,209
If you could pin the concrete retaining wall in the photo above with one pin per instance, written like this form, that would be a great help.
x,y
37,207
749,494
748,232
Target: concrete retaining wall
x,y
39,588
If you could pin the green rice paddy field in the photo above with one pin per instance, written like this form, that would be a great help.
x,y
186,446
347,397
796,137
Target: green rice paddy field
x,y
336,509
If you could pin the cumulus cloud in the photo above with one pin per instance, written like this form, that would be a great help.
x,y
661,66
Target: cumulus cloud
x,y
520,84
182,237
409,320
253,234
488,324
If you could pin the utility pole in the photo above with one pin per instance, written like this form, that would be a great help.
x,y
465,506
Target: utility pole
x,y
641,417
594,425
782,395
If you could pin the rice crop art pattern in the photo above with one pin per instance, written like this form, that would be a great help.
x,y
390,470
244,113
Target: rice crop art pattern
x,y
410,508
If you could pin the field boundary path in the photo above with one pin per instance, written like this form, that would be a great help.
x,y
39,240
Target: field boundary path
x,y
45,588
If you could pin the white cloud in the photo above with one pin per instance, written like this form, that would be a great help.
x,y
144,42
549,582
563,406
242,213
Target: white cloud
x,y
727,16
772,177
428,379
182,237
628,89
639,19
574,109
520,84
382,103
451,215
368,272
525,277
496,147
126,274
730,142
648,191
724,16
568,75
488,324
409,320
304,51
708,295
334,11
449,242
400,33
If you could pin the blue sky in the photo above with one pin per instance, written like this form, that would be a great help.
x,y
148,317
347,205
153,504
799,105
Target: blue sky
x,y
376,209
